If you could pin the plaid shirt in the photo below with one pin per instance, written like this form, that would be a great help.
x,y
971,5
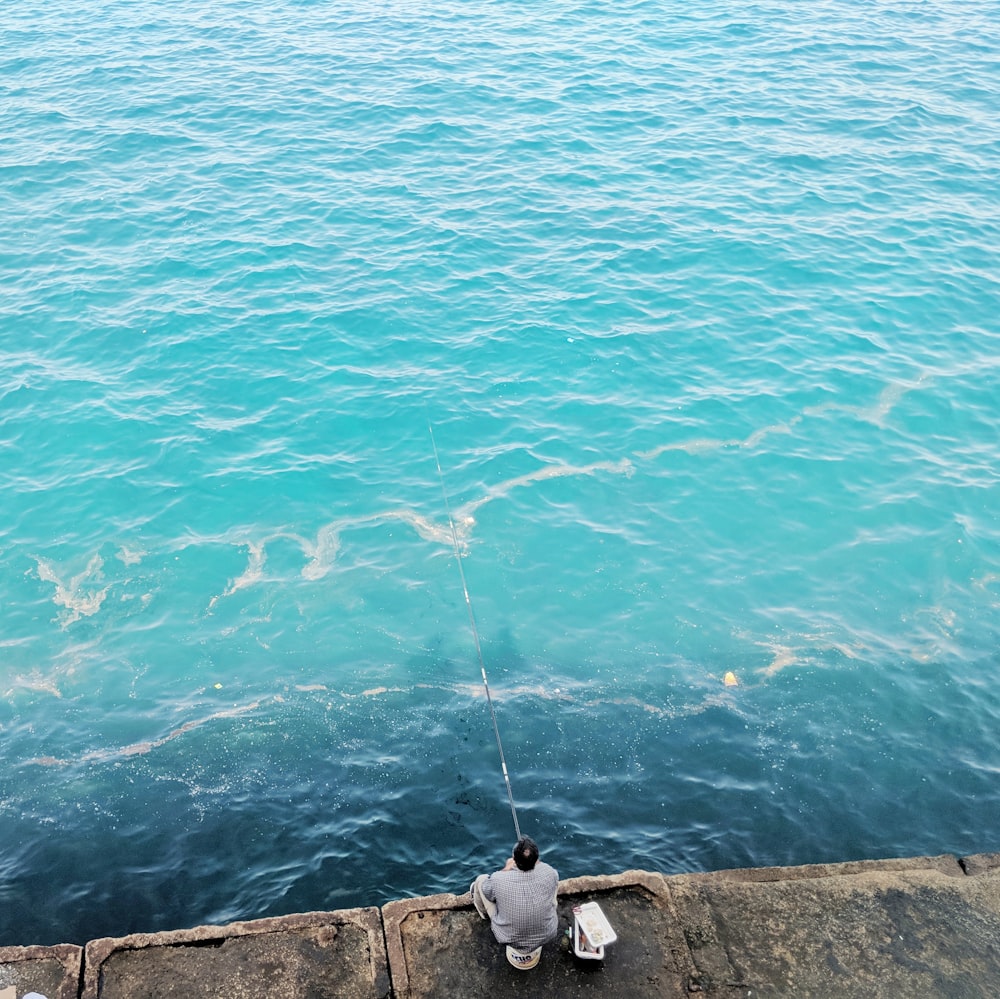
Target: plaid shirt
x,y
526,905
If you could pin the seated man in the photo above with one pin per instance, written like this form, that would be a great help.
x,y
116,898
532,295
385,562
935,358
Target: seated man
x,y
520,902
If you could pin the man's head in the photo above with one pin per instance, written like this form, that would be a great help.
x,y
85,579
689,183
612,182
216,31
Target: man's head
x,y
525,853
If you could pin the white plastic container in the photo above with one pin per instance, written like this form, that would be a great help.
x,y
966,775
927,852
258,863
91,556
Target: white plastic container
x,y
591,931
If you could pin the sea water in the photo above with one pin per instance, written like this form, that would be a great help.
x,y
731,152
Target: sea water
x,y
700,302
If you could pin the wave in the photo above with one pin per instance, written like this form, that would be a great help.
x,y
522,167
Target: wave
x,y
113,755
82,595
727,697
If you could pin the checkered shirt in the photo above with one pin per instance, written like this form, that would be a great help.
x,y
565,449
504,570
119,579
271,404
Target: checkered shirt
x,y
526,905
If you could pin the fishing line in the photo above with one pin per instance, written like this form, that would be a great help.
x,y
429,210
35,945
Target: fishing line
x,y
475,632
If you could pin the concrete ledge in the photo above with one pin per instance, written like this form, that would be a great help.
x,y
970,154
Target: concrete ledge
x,y
944,863
980,863
395,914
907,928
52,971
439,946
336,955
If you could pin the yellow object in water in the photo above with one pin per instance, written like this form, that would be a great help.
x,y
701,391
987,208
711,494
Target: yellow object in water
x,y
730,679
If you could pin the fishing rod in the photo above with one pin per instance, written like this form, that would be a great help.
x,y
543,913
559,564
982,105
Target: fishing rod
x,y
475,632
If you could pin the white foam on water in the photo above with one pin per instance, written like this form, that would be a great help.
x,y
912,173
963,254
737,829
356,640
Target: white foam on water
x,y
78,594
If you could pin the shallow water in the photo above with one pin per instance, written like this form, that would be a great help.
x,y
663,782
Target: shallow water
x,y
700,302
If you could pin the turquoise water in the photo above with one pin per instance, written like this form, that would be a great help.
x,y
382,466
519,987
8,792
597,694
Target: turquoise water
x,y
701,302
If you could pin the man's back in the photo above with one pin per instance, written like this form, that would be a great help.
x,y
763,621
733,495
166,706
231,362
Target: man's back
x,y
526,914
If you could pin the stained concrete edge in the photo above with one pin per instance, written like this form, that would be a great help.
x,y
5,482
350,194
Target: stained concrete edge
x,y
66,971
980,863
655,883
944,863
368,919
393,914
53,971
396,912
667,892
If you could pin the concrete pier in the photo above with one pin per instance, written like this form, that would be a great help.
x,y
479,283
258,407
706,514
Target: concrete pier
x,y
914,928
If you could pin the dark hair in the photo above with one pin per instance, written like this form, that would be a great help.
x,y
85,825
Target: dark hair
x,y
525,853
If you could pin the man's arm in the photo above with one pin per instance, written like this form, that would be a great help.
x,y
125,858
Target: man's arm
x,y
487,886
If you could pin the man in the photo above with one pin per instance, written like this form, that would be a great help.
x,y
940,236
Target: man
x,y
520,903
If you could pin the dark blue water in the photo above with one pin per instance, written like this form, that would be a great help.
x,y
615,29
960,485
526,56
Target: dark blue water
x,y
700,301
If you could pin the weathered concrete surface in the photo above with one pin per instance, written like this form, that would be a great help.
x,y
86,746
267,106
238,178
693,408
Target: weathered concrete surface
x,y
908,929
317,955
51,971
440,947
921,928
